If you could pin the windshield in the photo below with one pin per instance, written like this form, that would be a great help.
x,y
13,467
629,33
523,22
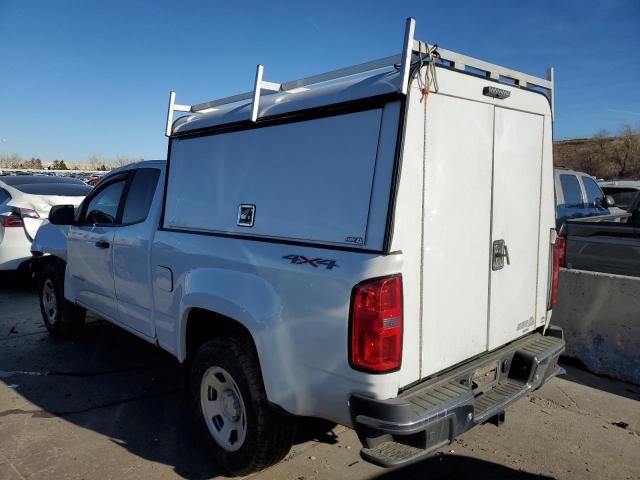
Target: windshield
x,y
595,197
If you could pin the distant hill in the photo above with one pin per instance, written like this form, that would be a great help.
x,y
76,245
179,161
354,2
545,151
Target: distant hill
x,y
601,156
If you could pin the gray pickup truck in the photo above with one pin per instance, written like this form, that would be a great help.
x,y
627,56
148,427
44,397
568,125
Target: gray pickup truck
x,y
606,244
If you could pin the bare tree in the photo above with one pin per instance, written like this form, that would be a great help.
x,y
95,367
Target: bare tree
x,y
93,162
626,151
11,160
602,140
589,162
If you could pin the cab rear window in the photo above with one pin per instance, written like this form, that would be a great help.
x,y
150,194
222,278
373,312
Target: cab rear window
x,y
571,190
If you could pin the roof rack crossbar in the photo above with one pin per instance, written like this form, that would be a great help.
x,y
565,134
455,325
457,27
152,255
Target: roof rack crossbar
x,y
403,62
460,62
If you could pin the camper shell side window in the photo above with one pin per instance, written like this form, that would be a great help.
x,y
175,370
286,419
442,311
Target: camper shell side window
x,y
324,180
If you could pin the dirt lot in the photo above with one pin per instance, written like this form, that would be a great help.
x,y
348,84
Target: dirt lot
x,y
108,405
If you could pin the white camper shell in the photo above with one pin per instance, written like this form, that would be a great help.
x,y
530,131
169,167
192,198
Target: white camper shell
x,y
346,161
382,236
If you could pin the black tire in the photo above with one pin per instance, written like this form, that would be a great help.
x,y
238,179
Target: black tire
x,y
268,434
67,319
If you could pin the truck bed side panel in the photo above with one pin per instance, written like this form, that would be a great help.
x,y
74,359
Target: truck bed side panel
x,y
296,313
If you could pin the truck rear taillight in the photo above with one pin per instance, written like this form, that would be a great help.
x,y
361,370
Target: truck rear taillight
x,y
559,261
376,325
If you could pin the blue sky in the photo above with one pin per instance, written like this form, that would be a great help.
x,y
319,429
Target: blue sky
x,y
82,78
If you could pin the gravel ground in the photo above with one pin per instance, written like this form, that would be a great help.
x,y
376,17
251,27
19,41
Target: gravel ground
x,y
108,405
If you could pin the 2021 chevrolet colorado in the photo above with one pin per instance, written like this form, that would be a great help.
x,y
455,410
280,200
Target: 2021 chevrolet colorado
x,y
303,253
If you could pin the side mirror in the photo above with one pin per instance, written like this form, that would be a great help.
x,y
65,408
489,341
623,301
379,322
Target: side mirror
x,y
610,201
62,215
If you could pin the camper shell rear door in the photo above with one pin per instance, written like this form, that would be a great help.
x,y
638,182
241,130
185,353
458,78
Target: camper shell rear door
x,y
487,212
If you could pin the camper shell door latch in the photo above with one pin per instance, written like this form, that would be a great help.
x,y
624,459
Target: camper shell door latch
x,y
500,252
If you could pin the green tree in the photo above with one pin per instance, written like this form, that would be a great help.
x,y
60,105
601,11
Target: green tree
x,y
35,163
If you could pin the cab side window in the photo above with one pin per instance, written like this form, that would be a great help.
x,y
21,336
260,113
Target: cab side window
x,y
102,209
140,195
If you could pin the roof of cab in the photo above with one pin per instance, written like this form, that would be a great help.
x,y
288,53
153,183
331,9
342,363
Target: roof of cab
x,y
355,87
132,166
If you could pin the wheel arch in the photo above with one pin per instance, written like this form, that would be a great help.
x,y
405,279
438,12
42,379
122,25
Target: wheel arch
x,y
217,302
202,324
41,260
236,301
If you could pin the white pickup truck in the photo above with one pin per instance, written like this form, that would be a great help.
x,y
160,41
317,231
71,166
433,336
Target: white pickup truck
x,y
373,246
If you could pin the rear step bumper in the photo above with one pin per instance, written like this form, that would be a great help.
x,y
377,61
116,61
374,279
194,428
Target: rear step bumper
x,y
431,414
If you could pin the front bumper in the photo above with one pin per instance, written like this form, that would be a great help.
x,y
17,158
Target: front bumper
x,y
431,414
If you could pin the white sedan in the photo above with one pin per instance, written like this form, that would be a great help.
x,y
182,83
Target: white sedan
x,y
25,201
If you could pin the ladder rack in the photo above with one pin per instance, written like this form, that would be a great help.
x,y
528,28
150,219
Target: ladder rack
x,y
410,48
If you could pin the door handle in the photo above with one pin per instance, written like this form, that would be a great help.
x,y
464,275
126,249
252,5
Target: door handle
x,y
504,253
500,253
102,244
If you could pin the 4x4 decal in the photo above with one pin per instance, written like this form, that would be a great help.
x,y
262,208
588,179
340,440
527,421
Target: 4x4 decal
x,y
314,262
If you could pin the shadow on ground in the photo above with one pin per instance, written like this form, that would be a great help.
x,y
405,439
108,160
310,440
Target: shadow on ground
x,y
578,373
108,381
454,467
15,281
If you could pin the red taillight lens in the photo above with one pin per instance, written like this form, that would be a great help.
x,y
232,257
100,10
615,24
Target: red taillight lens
x,y
559,261
12,220
15,218
376,325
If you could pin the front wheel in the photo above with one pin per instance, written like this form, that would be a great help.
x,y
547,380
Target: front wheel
x,y
230,407
61,317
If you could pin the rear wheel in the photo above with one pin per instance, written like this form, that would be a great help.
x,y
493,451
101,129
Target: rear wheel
x,y
230,407
61,317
